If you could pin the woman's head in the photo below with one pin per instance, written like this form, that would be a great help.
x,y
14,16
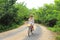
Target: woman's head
x,y
31,16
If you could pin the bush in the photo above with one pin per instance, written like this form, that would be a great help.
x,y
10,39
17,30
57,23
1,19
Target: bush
x,y
52,22
12,15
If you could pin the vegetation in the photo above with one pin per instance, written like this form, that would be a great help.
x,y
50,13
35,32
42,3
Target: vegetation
x,y
14,14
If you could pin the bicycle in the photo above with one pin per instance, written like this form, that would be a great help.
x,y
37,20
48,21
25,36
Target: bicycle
x,y
30,30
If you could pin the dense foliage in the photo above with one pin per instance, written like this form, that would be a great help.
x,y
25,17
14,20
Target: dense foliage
x,y
13,14
7,14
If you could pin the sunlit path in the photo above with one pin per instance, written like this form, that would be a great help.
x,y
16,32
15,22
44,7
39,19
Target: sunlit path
x,y
40,33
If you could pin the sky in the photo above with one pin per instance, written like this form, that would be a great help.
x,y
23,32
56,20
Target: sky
x,y
35,3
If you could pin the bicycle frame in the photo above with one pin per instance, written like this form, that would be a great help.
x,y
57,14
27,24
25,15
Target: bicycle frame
x,y
29,30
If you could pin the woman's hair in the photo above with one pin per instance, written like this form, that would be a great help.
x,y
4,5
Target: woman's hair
x,y
31,15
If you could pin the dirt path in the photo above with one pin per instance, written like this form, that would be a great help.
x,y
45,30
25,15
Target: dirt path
x,y
40,33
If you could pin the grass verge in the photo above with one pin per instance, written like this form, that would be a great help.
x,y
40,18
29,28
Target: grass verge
x,y
57,31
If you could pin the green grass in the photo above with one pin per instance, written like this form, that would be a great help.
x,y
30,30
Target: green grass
x,y
57,30
58,37
54,29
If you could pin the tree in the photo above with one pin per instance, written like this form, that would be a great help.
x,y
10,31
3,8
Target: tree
x,y
23,11
7,12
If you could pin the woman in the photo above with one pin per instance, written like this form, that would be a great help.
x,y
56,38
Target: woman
x,y
31,24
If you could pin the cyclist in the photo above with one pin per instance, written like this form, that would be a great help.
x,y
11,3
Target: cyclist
x,y
31,24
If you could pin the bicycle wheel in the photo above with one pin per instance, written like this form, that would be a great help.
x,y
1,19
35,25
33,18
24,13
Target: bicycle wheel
x,y
29,32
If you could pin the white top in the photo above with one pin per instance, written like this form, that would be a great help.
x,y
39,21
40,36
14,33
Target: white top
x,y
31,21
